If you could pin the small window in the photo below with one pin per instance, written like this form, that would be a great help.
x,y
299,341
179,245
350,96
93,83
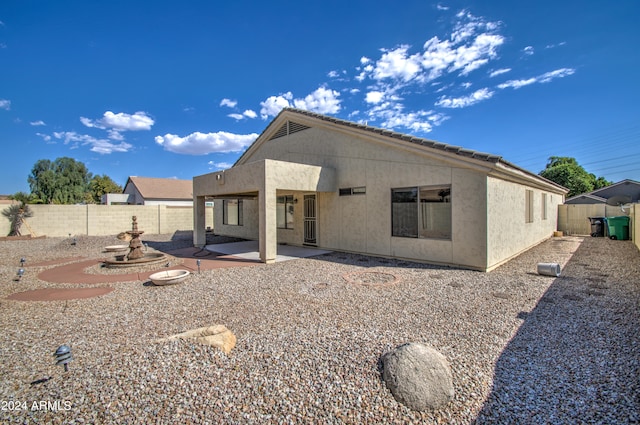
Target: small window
x,y
232,212
284,212
544,206
348,191
528,206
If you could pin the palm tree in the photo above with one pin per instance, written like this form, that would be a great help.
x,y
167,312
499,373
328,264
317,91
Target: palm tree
x,y
16,214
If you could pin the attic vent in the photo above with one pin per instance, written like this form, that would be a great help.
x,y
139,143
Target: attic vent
x,y
288,128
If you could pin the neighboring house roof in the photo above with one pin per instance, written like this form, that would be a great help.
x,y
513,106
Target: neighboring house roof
x,y
586,199
281,126
157,188
627,189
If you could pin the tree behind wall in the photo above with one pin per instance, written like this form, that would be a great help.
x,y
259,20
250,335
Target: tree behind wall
x,y
568,173
63,181
100,185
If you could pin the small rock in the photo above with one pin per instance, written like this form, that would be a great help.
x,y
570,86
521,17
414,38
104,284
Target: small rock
x,y
418,376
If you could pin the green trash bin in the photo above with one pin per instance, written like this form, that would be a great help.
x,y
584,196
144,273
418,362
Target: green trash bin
x,y
618,227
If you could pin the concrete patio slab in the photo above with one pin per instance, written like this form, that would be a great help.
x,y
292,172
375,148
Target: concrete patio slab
x,y
249,250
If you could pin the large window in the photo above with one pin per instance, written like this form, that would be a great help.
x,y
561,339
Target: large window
x,y
421,212
284,212
232,212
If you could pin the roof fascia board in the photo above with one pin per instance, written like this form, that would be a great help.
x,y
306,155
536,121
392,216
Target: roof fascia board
x,y
504,171
361,132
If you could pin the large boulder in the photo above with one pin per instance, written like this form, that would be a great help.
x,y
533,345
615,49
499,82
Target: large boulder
x,y
217,336
418,376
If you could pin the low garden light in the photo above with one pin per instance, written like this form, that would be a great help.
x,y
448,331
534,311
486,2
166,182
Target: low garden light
x,y
198,263
22,261
63,356
19,274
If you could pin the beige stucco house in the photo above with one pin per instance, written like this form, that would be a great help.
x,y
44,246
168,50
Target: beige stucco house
x,y
315,180
153,191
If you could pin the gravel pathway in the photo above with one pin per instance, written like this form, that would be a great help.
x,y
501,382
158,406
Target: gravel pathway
x,y
523,348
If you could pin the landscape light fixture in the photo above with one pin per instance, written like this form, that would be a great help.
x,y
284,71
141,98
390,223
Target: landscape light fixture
x,y
198,263
63,356
22,261
20,273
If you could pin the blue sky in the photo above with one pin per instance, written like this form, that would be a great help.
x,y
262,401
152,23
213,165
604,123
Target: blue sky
x,y
175,89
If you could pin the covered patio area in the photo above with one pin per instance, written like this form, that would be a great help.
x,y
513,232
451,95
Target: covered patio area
x,y
260,183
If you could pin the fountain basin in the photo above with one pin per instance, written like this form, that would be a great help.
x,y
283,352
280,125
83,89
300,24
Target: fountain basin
x,y
169,277
116,248
148,258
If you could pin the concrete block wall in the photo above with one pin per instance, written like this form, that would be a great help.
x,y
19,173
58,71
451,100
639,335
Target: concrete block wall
x,y
573,219
99,220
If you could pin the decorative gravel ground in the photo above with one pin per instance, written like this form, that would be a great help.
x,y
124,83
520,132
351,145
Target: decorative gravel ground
x,y
523,348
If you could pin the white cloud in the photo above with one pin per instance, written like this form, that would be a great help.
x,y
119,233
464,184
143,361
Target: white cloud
x,y
101,146
419,121
464,101
121,121
246,114
516,84
228,102
5,104
473,43
250,114
551,46
558,73
333,74
402,71
322,101
274,104
397,64
37,123
441,7
219,165
543,78
528,50
499,72
204,143
374,97
45,137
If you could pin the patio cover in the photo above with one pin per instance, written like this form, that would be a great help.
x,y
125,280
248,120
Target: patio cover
x,y
261,180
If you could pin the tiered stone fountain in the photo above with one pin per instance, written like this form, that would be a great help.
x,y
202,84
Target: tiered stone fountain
x,y
136,256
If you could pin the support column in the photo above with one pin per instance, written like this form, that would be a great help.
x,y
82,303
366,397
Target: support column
x,y
268,227
199,226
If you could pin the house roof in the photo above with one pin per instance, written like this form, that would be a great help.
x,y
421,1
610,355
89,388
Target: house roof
x,y
579,199
157,188
501,167
627,189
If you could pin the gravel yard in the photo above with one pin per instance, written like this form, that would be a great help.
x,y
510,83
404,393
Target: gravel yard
x,y
523,348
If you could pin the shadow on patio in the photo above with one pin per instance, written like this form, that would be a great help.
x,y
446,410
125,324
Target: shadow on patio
x,y
576,357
